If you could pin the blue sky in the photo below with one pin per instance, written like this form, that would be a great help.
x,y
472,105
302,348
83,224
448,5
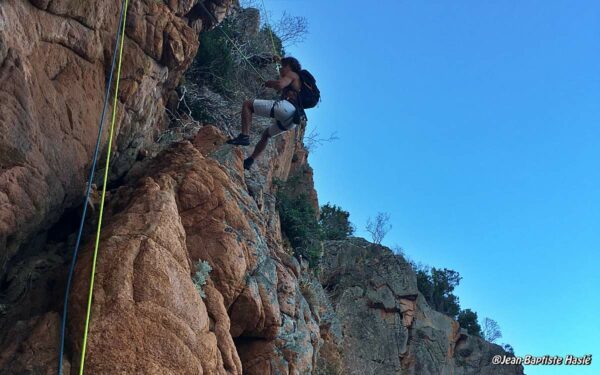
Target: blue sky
x,y
475,125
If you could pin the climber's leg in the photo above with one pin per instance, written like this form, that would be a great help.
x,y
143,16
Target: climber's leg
x,y
247,110
243,139
260,147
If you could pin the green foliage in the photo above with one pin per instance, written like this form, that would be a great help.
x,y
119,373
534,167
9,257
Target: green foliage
x,y
437,286
335,223
202,274
300,225
299,222
424,282
468,320
276,42
215,57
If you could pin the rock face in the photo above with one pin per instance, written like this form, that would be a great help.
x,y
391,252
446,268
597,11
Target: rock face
x,y
187,208
260,311
54,61
387,327
367,284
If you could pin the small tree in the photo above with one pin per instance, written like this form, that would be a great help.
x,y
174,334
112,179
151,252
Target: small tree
x,y
491,330
424,282
437,286
291,30
313,140
508,348
335,223
468,320
442,297
379,227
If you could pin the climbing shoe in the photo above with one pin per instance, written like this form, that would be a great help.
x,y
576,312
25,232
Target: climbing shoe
x,y
248,163
240,140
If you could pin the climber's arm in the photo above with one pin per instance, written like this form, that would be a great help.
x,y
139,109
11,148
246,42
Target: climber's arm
x,y
281,83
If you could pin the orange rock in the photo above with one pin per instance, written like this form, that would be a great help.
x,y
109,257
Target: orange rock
x,y
55,60
146,307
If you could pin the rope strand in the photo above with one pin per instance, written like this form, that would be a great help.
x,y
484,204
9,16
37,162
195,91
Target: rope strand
x,y
105,182
87,196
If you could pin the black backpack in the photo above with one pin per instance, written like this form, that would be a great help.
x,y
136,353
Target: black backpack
x,y
309,95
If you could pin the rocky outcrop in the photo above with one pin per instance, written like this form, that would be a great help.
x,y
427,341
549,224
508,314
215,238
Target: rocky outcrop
x,y
387,327
54,62
188,207
367,284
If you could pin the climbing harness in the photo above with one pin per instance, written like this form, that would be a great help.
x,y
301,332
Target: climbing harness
x,y
88,192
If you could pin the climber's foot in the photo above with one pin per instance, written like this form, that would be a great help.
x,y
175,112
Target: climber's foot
x,y
240,140
248,163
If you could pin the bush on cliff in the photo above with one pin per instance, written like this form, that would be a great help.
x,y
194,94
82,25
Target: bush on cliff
x,y
437,286
468,320
214,62
299,223
335,223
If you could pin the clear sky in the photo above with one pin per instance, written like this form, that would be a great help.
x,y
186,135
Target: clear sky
x,y
476,125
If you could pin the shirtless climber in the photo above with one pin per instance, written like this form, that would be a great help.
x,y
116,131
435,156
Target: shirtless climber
x,y
298,91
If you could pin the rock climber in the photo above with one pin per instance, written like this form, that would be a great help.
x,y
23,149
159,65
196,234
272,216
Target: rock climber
x,y
298,92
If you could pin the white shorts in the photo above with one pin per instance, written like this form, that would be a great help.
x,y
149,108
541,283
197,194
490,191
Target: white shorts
x,y
283,111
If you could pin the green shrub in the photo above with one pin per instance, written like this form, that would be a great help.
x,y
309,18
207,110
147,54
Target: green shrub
x,y
275,43
335,223
468,320
215,63
437,286
202,274
299,223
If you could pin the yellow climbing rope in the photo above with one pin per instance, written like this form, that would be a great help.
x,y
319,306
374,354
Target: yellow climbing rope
x,y
106,169
271,33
